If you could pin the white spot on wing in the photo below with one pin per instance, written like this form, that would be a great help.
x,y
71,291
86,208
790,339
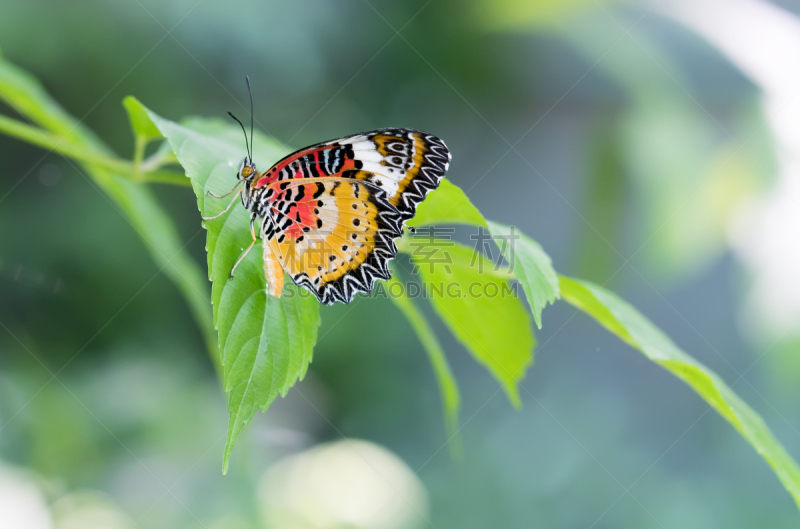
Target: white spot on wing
x,y
369,156
389,185
365,145
396,176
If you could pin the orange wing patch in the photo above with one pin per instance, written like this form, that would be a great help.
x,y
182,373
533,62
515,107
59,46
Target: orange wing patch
x,y
273,271
336,239
407,154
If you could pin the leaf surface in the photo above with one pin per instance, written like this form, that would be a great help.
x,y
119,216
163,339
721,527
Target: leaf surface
x,y
448,204
481,309
531,266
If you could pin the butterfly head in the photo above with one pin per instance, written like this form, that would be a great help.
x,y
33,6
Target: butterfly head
x,y
247,170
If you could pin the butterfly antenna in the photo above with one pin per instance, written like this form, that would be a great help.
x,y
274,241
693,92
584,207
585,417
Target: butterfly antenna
x,y
249,91
246,146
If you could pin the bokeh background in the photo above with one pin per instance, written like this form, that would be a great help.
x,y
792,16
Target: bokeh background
x,y
651,146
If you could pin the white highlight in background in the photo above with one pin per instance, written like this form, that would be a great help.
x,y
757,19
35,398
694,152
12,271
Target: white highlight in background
x,y
763,41
347,483
22,506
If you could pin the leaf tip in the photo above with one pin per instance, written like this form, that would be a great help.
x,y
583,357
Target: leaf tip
x,y
234,427
513,396
141,122
537,318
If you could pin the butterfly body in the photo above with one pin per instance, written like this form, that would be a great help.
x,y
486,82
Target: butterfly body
x,y
329,214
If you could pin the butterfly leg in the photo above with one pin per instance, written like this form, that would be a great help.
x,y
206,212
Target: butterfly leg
x,y
224,211
211,193
241,257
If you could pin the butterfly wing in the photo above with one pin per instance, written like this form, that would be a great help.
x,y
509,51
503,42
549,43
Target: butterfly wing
x,y
406,164
334,236
333,210
273,270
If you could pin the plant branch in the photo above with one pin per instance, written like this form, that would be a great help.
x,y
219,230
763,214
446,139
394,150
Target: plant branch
x,y
448,387
61,145
140,142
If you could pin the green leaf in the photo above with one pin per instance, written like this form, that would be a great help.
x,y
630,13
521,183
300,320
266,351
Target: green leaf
x,y
141,124
447,205
448,387
530,264
504,15
266,344
25,95
480,308
270,346
626,322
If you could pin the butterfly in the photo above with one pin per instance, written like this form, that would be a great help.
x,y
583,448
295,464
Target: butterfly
x,y
328,215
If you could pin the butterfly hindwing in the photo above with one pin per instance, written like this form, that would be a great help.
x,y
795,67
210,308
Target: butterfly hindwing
x,y
333,236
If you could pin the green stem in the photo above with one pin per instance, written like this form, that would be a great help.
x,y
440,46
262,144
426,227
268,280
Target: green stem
x,y
162,176
444,376
61,145
140,142
159,159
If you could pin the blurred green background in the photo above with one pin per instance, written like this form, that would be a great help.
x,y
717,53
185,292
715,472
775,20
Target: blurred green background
x,y
643,148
